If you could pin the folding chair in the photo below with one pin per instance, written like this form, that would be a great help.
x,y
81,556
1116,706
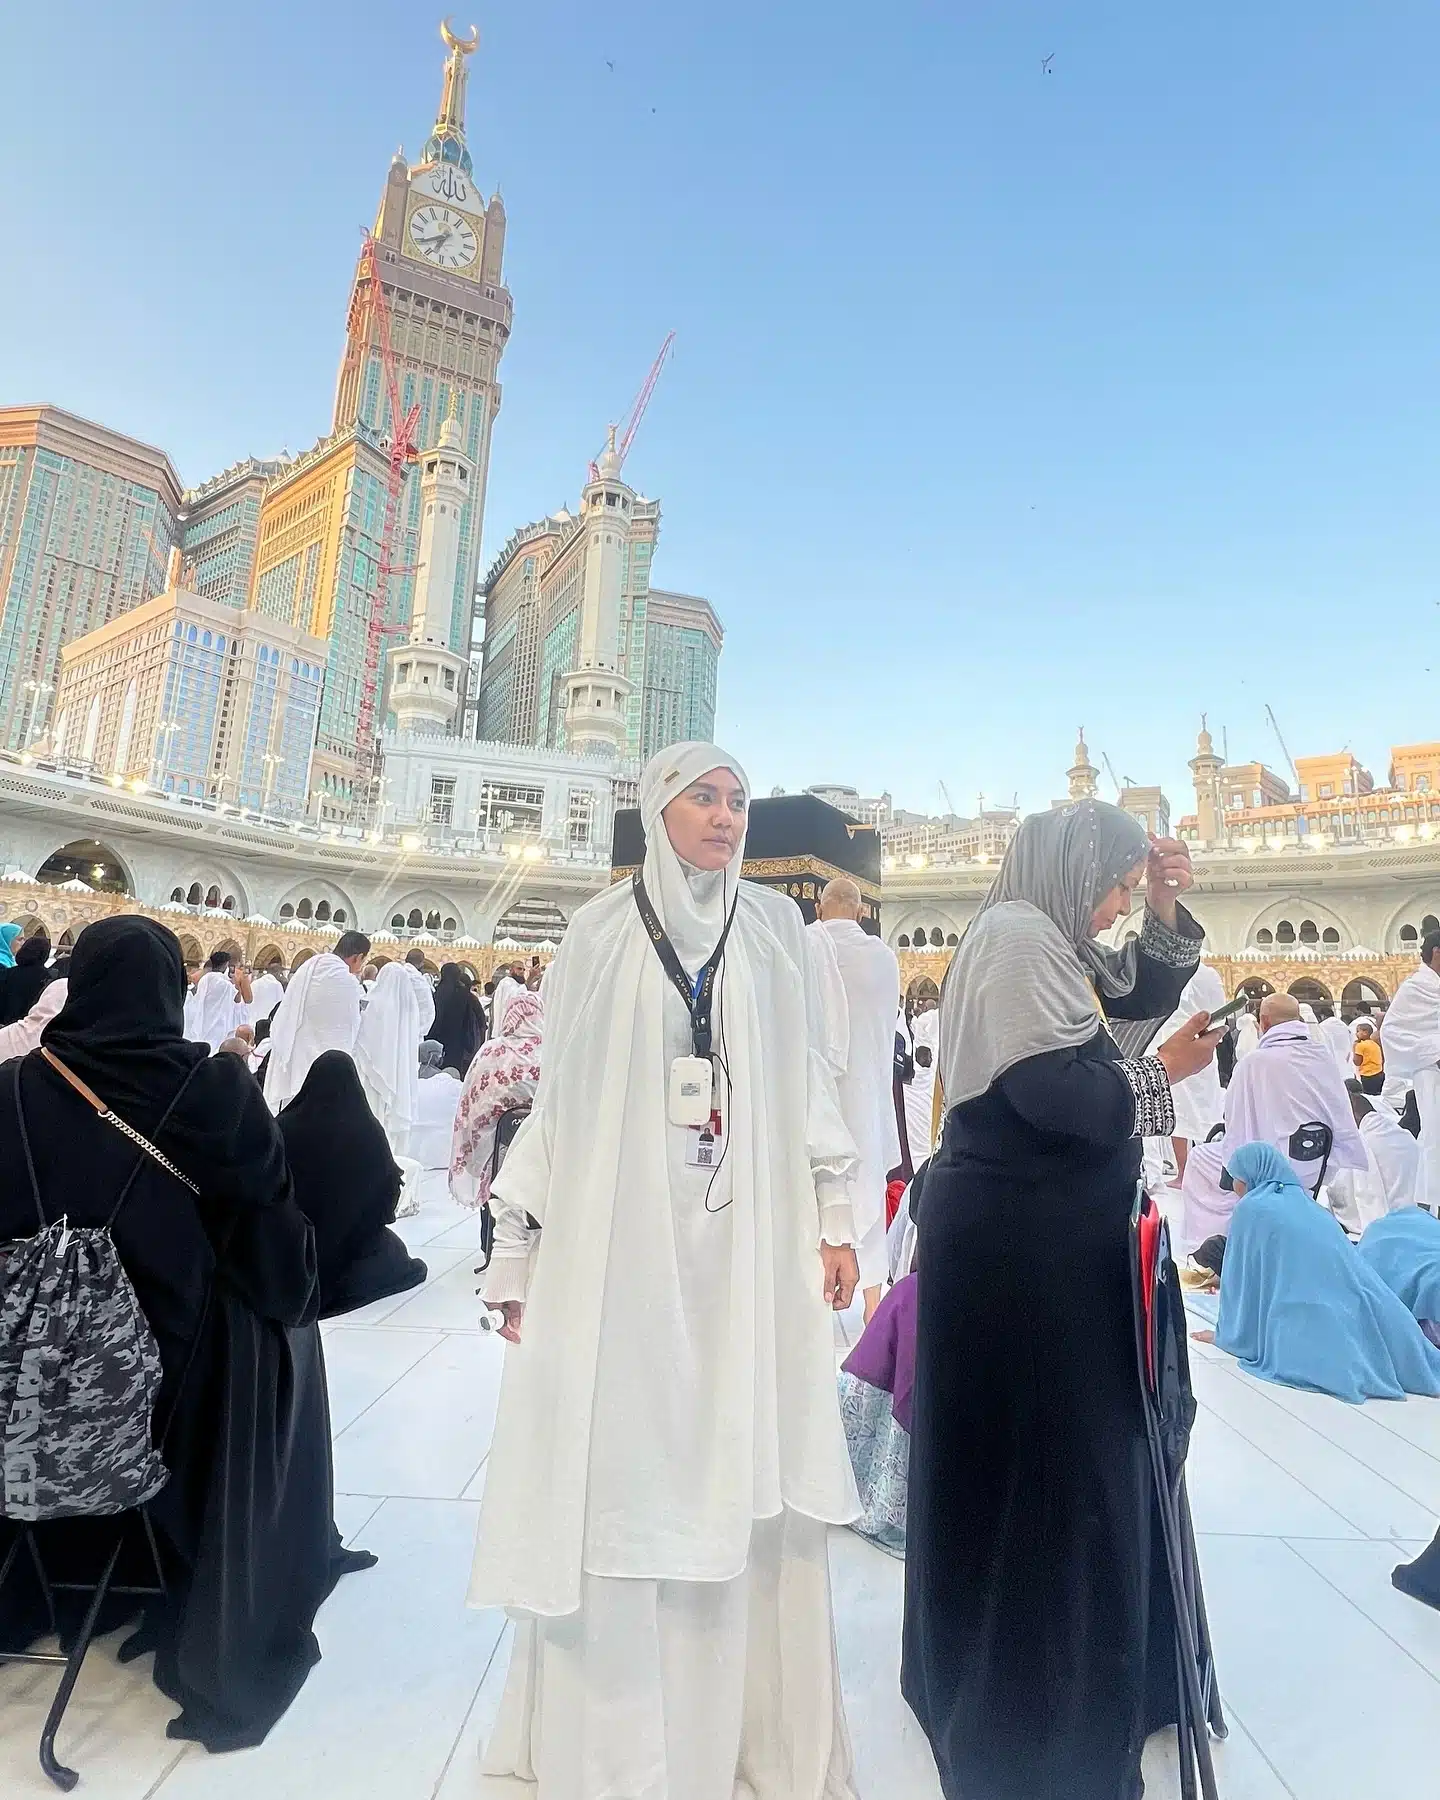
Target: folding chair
x,y
506,1127
72,1660
1310,1143
1163,1366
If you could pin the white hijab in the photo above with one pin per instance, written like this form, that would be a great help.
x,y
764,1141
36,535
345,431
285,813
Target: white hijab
x,y
387,1052
320,1011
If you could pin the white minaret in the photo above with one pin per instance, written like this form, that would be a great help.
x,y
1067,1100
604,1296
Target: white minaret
x,y
597,695
426,676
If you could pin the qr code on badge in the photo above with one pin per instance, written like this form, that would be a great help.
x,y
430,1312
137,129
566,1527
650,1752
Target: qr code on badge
x,y
705,1156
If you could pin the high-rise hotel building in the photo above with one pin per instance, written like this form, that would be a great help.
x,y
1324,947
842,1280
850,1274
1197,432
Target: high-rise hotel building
x,y
87,519
570,594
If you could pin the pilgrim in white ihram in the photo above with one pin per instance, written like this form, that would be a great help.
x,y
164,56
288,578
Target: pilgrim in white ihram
x,y
668,1450
870,976
1410,1038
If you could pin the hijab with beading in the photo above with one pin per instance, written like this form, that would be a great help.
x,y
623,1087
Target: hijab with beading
x,y
1026,975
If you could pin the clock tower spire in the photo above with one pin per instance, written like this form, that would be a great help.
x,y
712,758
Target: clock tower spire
x,y
439,249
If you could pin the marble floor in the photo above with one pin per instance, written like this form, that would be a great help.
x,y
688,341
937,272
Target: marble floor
x,y
1331,1679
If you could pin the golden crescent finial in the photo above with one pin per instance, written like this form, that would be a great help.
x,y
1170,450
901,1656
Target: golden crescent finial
x,y
463,45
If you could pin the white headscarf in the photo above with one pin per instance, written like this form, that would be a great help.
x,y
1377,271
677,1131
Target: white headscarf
x,y
387,1052
692,904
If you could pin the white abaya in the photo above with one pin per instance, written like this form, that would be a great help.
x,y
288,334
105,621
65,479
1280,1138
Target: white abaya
x,y
668,1447
387,1051
920,1089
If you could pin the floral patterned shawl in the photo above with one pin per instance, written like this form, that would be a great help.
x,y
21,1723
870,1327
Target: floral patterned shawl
x,y
504,1074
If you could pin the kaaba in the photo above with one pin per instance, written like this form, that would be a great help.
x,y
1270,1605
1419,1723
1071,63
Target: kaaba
x,y
795,843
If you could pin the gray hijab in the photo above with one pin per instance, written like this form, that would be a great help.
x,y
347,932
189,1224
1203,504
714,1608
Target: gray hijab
x,y
1024,979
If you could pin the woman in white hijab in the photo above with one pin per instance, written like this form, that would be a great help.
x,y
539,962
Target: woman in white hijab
x,y
387,1054
668,1450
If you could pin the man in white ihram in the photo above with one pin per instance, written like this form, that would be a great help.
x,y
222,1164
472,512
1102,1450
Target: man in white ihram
x,y
870,976
221,997
320,1011
668,1450
1290,1080
1410,1038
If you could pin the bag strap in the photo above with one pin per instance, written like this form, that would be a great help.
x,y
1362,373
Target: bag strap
x,y
119,1124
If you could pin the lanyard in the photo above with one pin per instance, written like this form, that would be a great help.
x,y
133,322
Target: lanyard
x,y
698,994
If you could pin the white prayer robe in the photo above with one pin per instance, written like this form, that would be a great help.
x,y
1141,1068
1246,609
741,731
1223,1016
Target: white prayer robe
x,y
1247,1036
219,1008
1336,1033
434,1128
1199,1099
1290,1080
266,993
506,989
668,1447
320,1011
20,1038
1410,1038
870,975
387,1052
920,1089
1388,1181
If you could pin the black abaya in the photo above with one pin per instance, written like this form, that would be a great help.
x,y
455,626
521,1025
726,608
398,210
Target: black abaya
x,y
459,1019
1039,1638
23,985
228,1285
347,1184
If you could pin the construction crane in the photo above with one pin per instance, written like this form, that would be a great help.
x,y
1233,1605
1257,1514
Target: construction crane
x,y
370,318
1275,727
637,411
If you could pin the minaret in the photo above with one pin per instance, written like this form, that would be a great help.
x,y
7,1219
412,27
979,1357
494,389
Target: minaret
x,y
1084,778
446,143
1205,766
427,677
597,695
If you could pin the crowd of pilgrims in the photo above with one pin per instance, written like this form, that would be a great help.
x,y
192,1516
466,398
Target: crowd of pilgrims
x,y
664,1261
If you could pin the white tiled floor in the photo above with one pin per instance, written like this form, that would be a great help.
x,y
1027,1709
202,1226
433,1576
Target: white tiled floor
x,y
1331,1679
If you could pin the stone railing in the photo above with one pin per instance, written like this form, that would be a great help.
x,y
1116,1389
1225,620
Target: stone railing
x,y
1306,970
64,912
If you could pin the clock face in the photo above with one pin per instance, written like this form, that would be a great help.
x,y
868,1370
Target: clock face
x,y
443,237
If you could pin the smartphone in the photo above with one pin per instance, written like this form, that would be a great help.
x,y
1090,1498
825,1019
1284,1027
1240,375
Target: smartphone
x,y
1229,1010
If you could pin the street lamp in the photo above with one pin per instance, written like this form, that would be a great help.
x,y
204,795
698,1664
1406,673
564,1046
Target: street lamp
x,y
270,759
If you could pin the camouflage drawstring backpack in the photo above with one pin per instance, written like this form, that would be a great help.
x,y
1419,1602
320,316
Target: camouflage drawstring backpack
x,y
79,1365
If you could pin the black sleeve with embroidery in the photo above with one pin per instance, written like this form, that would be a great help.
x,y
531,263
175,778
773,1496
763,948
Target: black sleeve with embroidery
x,y
1154,1104
1178,949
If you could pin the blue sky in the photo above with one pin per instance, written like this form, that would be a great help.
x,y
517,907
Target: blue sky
x,y
1003,400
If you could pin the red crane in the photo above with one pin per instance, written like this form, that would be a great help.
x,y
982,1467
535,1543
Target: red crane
x,y
370,316
637,411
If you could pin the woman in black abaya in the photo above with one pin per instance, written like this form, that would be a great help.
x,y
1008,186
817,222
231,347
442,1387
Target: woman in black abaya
x,y
22,986
227,1282
347,1184
1039,1637
459,1019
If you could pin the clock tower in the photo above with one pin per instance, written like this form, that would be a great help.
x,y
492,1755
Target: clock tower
x,y
440,248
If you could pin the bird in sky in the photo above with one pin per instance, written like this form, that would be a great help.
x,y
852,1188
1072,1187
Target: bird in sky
x,y
1046,63
609,65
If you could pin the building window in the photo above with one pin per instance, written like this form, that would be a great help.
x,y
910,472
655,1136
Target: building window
x,y
442,800
580,818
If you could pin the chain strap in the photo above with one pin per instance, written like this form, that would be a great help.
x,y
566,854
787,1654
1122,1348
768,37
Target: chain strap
x,y
160,1157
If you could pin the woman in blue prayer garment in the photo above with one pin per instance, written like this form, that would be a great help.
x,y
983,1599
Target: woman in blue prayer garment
x,y
1298,1306
1403,1248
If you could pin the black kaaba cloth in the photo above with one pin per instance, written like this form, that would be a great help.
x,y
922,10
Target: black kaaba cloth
x,y
794,842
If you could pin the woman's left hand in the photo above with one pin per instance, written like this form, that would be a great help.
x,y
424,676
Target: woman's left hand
x,y
1168,874
842,1275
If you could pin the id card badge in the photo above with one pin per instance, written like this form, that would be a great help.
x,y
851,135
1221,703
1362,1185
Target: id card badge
x,y
703,1148
692,1088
